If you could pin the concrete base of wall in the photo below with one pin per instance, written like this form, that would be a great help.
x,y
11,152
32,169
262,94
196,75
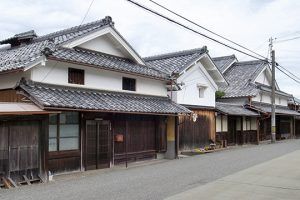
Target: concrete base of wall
x,y
170,154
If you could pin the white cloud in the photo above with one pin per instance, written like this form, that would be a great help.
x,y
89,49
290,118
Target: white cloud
x,y
249,22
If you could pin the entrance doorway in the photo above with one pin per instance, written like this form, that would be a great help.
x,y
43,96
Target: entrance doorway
x,y
231,138
19,149
98,144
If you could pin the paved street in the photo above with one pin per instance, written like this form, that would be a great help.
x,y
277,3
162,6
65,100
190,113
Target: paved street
x,y
156,181
276,179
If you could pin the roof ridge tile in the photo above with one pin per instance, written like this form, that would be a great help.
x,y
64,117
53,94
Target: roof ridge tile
x,y
176,54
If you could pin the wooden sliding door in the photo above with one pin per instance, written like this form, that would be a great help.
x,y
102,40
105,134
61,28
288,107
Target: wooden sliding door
x,y
98,144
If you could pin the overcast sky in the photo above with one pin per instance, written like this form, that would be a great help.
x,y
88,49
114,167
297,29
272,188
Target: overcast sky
x,y
248,22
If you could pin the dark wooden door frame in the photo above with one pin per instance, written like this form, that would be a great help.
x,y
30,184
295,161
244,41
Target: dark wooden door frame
x,y
109,142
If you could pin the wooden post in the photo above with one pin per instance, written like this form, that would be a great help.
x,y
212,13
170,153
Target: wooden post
x,y
257,130
242,131
293,127
126,147
44,149
176,136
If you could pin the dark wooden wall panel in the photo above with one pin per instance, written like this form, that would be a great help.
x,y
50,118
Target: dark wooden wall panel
x,y
297,128
146,135
196,134
66,164
10,96
3,149
24,140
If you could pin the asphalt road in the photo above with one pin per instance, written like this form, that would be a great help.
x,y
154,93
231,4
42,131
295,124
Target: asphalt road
x,y
152,181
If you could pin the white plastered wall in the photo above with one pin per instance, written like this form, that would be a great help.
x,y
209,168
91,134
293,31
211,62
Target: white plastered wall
x,y
9,80
221,123
192,79
103,44
249,123
266,98
57,73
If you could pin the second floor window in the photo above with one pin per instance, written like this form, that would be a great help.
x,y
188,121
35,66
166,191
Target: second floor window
x,y
129,84
76,76
201,90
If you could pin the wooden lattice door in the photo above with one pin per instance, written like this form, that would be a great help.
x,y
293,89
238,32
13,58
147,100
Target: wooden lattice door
x,y
98,144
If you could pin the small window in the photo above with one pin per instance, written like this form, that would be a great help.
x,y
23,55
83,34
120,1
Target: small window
x,y
129,84
76,76
201,92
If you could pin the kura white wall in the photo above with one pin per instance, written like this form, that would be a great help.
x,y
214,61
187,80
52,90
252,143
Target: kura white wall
x,y
189,95
221,123
249,123
104,44
95,78
8,81
263,78
253,123
266,98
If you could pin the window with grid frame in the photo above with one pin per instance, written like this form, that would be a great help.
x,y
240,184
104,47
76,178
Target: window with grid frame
x,y
129,84
64,131
76,76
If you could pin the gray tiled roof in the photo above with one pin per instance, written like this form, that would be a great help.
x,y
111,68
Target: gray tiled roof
x,y
241,76
175,62
20,57
269,89
234,109
223,62
23,35
104,61
76,32
266,108
60,97
17,58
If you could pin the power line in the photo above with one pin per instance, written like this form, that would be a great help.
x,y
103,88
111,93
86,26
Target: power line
x,y
214,33
85,15
286,40
210,38
197,32
287,74
87,12
288,71
289,34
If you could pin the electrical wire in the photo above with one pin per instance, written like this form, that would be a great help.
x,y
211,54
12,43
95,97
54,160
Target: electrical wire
x,y
192,22
212,32
208,37
289,34
287,74
292,74
54,66
191,29
286,40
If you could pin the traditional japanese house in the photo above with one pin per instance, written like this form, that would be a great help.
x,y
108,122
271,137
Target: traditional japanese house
x,y
80,99
235,124
250,88
196,79
294,104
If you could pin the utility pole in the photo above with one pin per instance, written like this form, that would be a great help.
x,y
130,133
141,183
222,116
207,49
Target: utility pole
x,y
273,118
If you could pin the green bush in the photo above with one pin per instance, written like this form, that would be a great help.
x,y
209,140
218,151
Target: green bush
x,y
219,94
